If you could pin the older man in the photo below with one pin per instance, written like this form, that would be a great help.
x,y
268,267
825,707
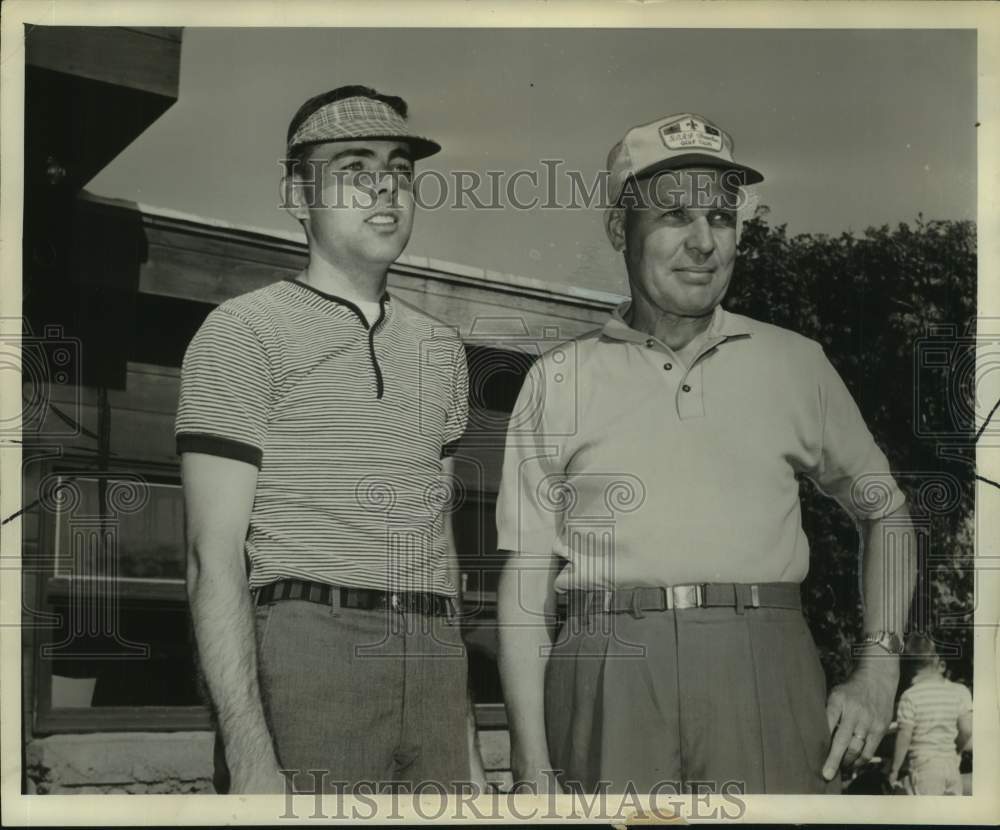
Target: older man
x,y
650,489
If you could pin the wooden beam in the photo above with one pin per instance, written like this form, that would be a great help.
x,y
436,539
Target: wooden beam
x,y
212,265
210,262
175,33
146,60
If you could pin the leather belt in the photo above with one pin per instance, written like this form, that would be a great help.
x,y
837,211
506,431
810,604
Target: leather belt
x,y
681,597
366,599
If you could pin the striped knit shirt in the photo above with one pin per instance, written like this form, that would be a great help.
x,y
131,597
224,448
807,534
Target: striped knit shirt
x,y
932,706
347,424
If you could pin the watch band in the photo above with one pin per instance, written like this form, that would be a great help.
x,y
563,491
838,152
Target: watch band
x,y
888,641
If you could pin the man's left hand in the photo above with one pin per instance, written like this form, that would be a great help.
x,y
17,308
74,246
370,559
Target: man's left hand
x,y
858,713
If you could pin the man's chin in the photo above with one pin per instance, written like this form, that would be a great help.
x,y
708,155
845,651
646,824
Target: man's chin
x,y
701,300
386,251
695,306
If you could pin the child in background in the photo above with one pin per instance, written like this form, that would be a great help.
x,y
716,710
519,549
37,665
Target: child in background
x,y
935,726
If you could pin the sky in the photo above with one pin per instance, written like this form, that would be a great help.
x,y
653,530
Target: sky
x,y
850,128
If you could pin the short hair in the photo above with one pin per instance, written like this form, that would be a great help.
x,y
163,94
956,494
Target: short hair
x,y
302,152
923,650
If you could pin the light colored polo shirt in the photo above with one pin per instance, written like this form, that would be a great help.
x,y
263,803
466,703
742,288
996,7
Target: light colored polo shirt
x,y
639,470
347,423
932,706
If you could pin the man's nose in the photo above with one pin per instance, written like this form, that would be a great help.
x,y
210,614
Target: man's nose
x,y
700,237
386,182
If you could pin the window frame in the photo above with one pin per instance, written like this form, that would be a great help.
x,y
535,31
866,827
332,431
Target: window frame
x,y
49,719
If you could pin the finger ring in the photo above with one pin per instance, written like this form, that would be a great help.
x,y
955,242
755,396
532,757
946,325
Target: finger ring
x,y
858,736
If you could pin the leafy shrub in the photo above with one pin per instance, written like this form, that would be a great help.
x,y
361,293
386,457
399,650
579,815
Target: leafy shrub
x,y
873,302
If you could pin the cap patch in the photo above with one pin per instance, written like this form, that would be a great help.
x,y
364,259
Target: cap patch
x,y
691,132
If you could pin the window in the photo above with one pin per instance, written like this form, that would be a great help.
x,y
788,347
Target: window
x,y
116,651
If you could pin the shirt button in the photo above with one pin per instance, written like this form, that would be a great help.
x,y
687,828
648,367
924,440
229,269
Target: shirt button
x,y
668,366
686,388
650,343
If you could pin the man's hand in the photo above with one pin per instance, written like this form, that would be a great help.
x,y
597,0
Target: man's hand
x,y
218,498
477,772
525,604
858,713
262,776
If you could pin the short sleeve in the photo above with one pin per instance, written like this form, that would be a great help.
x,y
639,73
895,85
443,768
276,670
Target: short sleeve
x,y
905,714
528,518
225,391
457,418
964,700
851,469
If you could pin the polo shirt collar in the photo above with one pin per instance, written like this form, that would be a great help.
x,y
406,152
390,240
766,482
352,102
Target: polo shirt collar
x,y
385,300
723,326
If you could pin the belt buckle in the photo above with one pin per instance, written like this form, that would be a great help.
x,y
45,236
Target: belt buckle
x,y
394,602
606,602
687,596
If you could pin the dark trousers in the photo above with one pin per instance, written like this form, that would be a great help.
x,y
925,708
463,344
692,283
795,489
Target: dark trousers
x,y
365,696
698,699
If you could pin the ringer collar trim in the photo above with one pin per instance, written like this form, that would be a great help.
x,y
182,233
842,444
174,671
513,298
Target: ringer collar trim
x,y
384,301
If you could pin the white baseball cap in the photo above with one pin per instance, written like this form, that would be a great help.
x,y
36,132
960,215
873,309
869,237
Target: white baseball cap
x,y
671,143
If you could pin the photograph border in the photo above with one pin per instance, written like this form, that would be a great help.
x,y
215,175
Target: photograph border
x,y
92,810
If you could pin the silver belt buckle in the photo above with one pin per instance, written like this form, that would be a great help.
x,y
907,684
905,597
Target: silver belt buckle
x,y
687,596
394,601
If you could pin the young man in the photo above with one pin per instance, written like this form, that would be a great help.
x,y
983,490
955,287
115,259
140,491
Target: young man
x,y
935,726
652,487
315,419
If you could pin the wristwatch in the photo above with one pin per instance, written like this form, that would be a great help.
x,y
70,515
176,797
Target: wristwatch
x,y
888,641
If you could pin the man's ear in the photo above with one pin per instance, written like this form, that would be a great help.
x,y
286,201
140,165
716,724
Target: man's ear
x,y
614,224
296,195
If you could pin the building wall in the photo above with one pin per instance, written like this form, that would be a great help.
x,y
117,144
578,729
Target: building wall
x,y
121,762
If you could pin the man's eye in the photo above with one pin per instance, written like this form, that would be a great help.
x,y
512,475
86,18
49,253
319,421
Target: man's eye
x,y
675,213
354,166
722,217
403,170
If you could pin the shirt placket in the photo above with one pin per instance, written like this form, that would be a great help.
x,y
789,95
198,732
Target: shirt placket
x,y
686,382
